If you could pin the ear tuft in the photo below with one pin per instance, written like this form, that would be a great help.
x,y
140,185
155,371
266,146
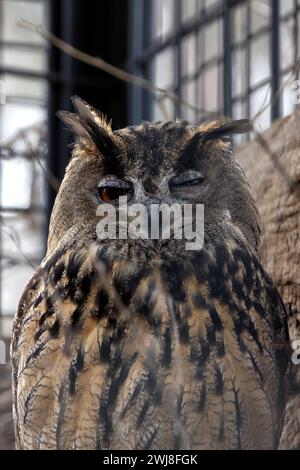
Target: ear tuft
x,y
88,123
88,113
73,122
224,128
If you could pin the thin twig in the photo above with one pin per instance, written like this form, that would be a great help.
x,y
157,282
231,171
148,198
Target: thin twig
x,y
106,66
48,175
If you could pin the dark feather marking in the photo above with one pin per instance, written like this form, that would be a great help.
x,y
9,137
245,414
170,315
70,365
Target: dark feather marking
x,y
255,366
104,258
219,385
215,318
61,414
183,330
55,328
38,334
172,274
101,304
77,314
127,287
76,367
205,351
86,283
151,380
220,347
238,417
146,305
151,438
143,413
211,335
202,399
38,300
259,309
254,334
199,301
35,353
237,288
167,351
199,265
105,349
49,305
119,380
73,267
43,318
137,390
58,272
53,260
221,430
222,255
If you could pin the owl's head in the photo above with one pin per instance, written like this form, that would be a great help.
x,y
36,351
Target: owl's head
x,y
151,164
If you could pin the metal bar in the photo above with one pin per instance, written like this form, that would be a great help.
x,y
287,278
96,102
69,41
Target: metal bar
x,y
275,59
296,30
58,78
227,60
178,46
134,95
147,69
248,59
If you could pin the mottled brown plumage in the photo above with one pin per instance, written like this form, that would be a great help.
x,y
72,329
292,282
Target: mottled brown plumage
x,y
141,345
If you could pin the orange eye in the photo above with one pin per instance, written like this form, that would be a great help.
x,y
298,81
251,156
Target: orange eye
x,y
107,193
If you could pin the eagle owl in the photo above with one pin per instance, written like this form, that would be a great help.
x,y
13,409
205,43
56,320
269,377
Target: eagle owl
x,y
141,344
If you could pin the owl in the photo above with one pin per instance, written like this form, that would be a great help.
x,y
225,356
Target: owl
x,y
135,343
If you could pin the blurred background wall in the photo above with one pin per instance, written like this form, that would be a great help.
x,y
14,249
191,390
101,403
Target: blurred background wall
x,y
224,57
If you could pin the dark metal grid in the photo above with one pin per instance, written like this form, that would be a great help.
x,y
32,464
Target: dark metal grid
x,y
141,58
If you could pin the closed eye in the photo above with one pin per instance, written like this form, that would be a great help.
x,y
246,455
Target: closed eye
x,y
186,179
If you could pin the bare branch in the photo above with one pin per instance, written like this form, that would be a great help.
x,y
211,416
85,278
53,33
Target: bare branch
x,y
107,67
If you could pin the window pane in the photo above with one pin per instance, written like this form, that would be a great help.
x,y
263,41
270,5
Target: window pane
x,y
189,9
258,100
286,6
15,117
260,59
13,11
239,112
239,28
164,68
210,79
239,72
213,40
25,88
260,14
164,111
287,49
210,3
189,95
188,55
16,183
25,59
289,96
163,17
14,279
